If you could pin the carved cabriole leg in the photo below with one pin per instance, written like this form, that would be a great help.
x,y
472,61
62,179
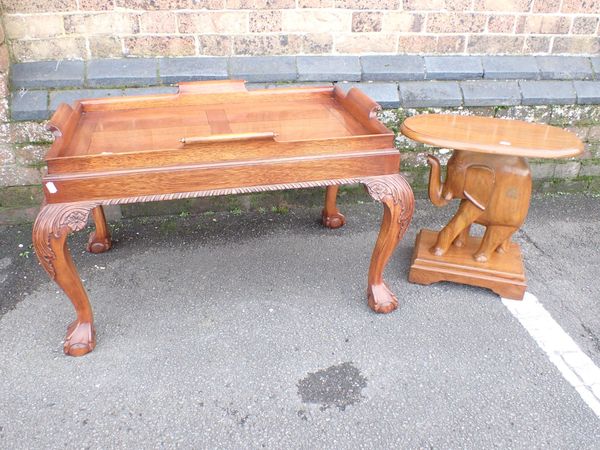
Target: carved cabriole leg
x,y
99,240
50,231
394,192
330,216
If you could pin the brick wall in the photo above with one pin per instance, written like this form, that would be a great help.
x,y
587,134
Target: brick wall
x,y
87,29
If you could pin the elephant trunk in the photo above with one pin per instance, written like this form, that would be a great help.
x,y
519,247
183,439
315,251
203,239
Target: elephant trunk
x,y
435,182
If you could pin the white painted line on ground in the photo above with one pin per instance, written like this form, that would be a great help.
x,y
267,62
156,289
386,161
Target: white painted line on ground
x,y
574,365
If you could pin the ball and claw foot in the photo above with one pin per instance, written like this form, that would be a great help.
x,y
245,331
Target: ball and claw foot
x,y
98,245
80,339
381,299
333,221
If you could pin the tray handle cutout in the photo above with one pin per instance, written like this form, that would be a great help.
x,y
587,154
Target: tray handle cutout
x,y
58,123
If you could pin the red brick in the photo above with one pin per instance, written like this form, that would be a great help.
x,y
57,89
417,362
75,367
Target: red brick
x,y
424,5
4,58
38,6
417,44
157,22
402,21
160,45
585,25
7,157
580,6
450,44
170,4
366,21
316,20
102,23
367,4
96,5
219,22
547,24
536,45
503,5
105,47
316,3
317,43
282,44
33,26
260,4
455,23
365,43
495,44
30,154
265,21
576,45
501,24
44,49
4,91
216,45
545,6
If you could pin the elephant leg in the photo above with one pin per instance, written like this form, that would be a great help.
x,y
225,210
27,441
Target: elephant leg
x,y
494,237
330,216
467,214
503,248
50,231
99,240
461,239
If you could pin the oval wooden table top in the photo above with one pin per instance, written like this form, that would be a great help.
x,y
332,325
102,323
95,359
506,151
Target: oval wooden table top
x,y
491,135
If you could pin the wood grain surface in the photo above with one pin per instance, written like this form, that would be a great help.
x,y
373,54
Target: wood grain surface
x,y
212,138
491,135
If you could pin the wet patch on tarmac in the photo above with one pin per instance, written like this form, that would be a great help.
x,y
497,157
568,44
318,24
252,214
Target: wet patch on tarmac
x,y
338,386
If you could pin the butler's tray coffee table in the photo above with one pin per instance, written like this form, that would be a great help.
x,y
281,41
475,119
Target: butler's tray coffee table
x,y
212,138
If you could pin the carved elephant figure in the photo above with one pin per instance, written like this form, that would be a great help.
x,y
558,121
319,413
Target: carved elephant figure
x,y
495,192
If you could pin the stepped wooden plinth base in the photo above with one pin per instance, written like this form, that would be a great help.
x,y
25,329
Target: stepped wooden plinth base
x,y
503,273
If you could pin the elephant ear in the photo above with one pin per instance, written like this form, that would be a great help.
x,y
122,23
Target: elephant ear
x,y
479,185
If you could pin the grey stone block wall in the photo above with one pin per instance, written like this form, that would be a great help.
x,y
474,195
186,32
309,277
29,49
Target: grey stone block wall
x,y
392,68
398,80
547,92
29,105
328,68
386,94
559,68
47,74
510,67
491,93
423,94
172,70
263,68
453,67
70,96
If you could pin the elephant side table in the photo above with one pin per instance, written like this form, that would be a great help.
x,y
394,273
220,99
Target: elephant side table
x,y
489,172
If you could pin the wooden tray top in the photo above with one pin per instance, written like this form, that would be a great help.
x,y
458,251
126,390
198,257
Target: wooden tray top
x,y
193,125
491,135
214,135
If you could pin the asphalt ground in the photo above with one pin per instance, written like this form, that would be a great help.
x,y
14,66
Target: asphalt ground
x,y
252,331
